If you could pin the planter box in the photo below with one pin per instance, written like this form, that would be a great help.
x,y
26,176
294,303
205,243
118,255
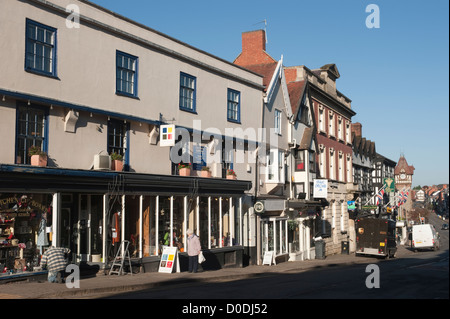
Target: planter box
x,y
39,160
117,165
205,174
231,177
185,172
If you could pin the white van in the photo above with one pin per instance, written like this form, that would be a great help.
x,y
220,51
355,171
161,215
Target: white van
x,y
424,237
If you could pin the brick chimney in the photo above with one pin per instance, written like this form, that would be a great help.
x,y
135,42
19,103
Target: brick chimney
x,y
254,41
254,49
357,129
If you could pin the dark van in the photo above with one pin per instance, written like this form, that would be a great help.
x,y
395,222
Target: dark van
x,y
375,237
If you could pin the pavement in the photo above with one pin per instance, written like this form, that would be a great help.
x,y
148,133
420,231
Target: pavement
x,y
103,285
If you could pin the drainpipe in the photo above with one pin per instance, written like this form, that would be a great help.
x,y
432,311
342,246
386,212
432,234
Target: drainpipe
x,y
294,141
257,219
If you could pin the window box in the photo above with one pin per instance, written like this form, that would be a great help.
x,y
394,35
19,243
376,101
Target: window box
x,y
39,160
205,172
185,171
37,156
117,165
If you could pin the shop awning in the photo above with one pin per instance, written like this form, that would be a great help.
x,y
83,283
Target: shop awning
x,y
37,179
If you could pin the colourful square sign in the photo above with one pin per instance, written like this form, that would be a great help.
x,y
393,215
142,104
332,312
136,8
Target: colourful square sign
x,y
167,135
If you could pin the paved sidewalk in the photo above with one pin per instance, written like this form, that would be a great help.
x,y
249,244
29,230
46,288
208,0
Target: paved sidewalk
x,y
103,284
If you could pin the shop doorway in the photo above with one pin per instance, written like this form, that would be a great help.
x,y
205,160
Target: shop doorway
x,y
89,239
80,225
274,234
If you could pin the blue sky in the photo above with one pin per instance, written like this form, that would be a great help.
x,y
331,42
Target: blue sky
x,y
397,75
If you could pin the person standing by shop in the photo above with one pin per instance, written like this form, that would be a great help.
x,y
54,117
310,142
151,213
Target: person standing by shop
x,y
193,249
54,259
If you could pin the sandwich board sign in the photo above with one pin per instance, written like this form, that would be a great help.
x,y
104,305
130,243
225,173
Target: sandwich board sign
x,y
269,258
168,259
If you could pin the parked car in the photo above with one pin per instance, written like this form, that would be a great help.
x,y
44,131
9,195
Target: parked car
x,y
445,226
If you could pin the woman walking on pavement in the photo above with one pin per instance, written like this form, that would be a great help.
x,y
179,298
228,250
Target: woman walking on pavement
x,y
193,249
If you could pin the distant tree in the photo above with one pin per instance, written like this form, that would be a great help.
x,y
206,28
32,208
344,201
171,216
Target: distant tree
x,y
417,188
422,212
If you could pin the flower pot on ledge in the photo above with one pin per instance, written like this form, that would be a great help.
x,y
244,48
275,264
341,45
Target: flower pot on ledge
x,y
185,172
117,165
206,174
39,160
231,177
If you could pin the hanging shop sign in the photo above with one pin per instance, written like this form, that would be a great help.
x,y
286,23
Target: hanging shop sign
x,y
320,188
351,205
389,185
167,135
259,207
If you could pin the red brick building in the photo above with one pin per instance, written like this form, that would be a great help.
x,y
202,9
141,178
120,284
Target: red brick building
x,y
332,115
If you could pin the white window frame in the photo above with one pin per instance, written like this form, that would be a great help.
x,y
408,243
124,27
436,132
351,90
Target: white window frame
x,y
332,164
342,220
341,166
322,160
340,129
321,119
348,168
277,124
348,132
331,128
275,168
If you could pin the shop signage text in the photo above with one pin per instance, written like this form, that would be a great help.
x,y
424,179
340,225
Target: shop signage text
x,y
320,188
22,205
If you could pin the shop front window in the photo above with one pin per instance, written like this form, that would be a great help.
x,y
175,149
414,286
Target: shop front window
x,y
164,222
216,220
149,216
216,212
178,223
274,232
237,221
203,215
277,237
293,236
25,229
226,231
